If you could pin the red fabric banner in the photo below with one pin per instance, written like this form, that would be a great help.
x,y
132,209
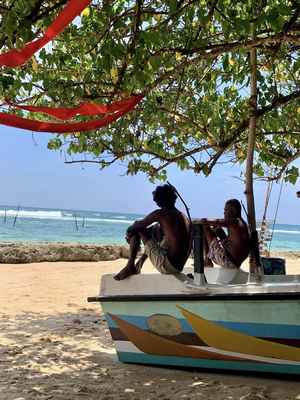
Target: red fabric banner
x,y
53,127
65,113
14,58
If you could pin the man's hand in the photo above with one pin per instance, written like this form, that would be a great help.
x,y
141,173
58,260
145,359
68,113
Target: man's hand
x,y
220,233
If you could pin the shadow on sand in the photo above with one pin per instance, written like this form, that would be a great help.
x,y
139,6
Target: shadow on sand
x,y
71,356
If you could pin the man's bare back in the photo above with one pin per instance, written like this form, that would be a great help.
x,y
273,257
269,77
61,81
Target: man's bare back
x,y
176,231
237,243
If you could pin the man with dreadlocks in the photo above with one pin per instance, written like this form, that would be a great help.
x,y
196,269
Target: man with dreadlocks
x,y
167,243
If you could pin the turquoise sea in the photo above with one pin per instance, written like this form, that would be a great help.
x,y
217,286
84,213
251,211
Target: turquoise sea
x,y
27,224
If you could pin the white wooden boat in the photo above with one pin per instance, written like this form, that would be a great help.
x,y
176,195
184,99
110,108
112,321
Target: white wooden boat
x,y
224,323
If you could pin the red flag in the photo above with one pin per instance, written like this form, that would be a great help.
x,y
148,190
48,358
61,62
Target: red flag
x,y
84,109
14,58
53,127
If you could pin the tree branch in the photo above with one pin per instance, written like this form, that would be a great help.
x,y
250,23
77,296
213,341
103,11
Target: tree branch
x,y
213,50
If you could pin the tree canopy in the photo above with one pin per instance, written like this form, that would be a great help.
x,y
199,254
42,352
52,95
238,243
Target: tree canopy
x,y
189,58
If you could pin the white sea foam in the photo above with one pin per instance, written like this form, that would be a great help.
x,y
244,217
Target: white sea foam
x,y
286,231
114,221
58,215
32,214
283,231
68,216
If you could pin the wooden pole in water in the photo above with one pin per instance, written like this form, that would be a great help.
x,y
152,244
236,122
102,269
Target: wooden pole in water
x,y
16,216
5,215
256,270
76,223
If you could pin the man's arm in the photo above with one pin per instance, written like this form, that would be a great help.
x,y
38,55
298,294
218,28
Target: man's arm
x,y
144,223
213,222
219,222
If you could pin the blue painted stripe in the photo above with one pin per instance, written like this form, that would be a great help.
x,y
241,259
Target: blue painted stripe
x,y
250,328
128,357
264,330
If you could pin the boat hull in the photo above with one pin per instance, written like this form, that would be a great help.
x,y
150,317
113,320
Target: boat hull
x,y
211,330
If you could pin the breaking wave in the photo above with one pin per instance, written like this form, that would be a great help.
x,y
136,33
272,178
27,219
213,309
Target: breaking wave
x,y
59,215
32,214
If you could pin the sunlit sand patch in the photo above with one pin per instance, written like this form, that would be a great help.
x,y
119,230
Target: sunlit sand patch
x,y
46,353
150,383
5,341
88,347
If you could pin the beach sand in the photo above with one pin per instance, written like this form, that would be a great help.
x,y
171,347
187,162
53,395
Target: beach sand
x,y
55,345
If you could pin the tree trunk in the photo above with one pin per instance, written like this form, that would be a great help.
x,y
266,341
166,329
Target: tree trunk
x,y
256,271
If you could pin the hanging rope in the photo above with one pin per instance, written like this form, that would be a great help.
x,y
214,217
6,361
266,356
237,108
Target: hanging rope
x,y
268,195
263,226
276,212
17,57
189,217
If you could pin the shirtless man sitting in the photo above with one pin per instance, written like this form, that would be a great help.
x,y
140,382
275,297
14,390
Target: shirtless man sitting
x,y
167,243
228,251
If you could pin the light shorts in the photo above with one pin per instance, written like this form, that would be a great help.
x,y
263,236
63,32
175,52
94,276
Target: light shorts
x,y
157,253
217,254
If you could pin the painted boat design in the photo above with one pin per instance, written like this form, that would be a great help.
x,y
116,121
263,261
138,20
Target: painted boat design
x,y
229,340
151,343
225,328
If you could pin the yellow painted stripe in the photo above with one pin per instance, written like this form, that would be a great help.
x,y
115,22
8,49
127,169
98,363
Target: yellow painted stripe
x,y
219,337
151,343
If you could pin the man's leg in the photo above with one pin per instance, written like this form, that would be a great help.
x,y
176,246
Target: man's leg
x,y
140,262
157,254
154,232
209,236
130,268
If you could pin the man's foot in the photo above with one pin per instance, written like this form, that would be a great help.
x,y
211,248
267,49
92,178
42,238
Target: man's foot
x,y
126,272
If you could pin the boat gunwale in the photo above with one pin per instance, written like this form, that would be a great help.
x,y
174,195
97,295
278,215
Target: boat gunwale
x,y
197,296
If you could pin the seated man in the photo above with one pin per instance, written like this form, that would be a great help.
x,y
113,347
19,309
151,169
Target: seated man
x,y
167,243
228,251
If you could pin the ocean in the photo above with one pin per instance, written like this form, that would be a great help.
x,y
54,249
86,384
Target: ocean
x,y
28,224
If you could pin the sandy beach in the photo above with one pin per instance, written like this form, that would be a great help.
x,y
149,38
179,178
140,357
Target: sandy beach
x,y
55,345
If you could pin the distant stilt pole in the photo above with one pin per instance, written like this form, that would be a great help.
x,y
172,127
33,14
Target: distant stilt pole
x,y
5,215
83,221
76,223
16,216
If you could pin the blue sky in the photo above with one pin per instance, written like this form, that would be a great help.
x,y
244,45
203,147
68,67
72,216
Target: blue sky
x,y
32,175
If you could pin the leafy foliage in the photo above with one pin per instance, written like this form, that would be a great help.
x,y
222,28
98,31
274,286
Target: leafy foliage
x,y
189,58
